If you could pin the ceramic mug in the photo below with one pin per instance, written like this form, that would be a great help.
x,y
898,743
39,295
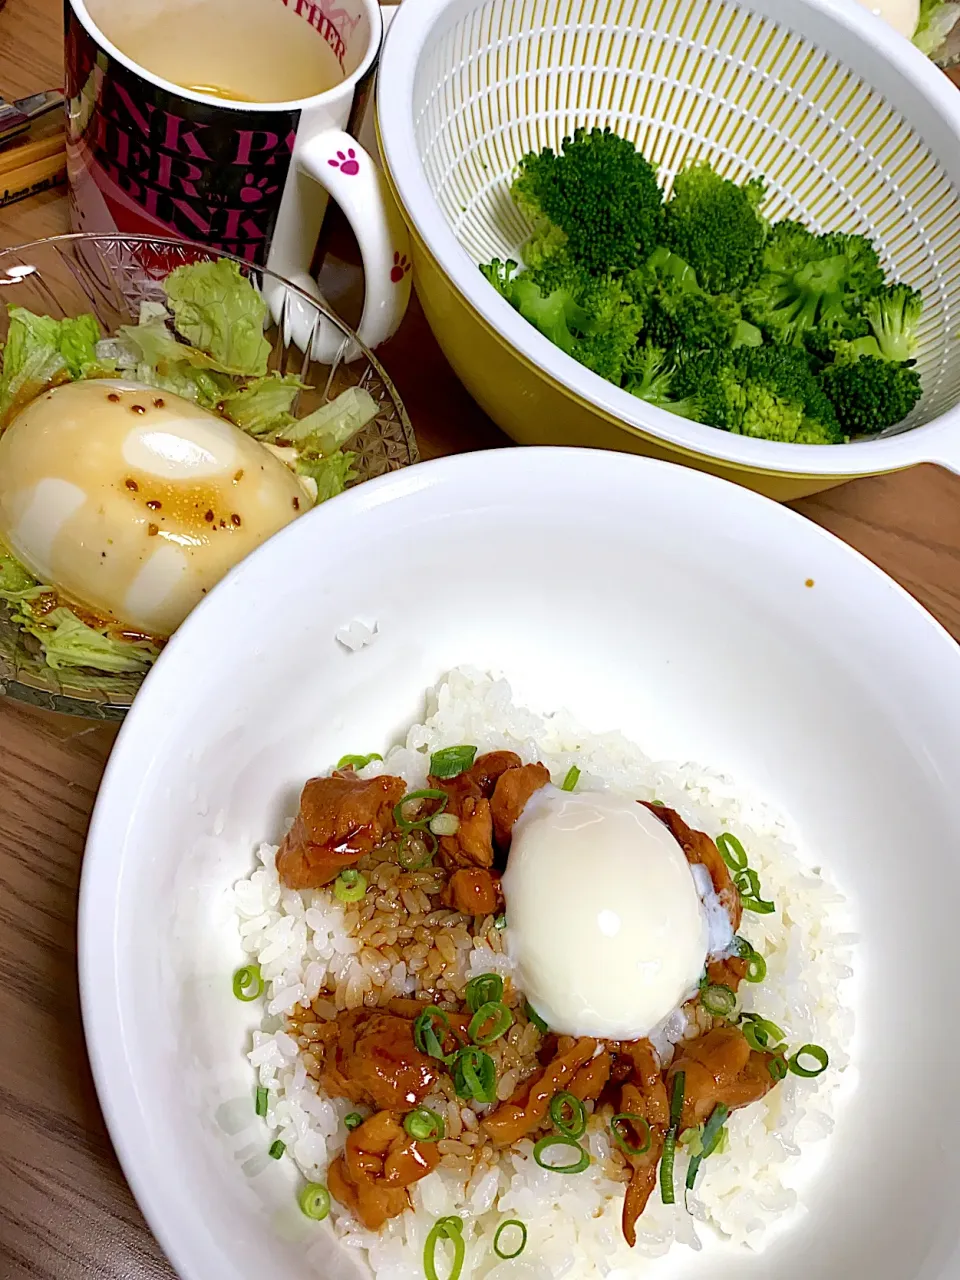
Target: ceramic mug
x,y
149,156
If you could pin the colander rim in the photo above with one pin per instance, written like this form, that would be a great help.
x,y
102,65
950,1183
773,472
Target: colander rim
x,y
937,441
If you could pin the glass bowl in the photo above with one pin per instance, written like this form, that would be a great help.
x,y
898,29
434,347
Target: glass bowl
x,y
111,275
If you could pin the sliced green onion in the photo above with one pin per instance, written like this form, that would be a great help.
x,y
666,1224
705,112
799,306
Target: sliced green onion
x,y
761,1034
720,1001
357,762
424,1125
247,983
353,1121
350,885
490,1022
452,761
658,804
553,1140
511,1222
756,967
778,1067
743,948
748,886
314,1201
261,1104
815,1051
430,793
277,1149
500,921
676,1101
666,1167
712,1130
449,1228
474,1075
535,1018
571,780
619,1127
414,857
483,989
568,1114
424,1035
732,851
444,824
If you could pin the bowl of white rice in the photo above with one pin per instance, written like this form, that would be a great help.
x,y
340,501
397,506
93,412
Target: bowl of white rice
x,y
651,633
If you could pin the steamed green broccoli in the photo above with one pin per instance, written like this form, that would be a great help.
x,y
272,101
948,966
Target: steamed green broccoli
x,y
769,392
714,224
649,375
809,281
678,314
591,318
597,201
893,314
870,394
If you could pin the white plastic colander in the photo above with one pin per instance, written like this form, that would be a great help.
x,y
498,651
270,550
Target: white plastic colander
x,y
851,127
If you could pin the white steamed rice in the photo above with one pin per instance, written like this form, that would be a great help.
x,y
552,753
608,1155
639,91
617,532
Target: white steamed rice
x,y
301,945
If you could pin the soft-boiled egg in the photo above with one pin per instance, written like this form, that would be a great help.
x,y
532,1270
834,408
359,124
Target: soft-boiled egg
x,y
134,502
902,15
606,924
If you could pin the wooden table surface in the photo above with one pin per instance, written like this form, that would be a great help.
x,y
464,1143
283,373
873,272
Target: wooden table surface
x,y
65,1209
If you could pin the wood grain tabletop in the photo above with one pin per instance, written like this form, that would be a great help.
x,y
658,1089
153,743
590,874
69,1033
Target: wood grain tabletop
x,y
65,1210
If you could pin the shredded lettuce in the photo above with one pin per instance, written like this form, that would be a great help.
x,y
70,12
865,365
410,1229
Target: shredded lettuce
x,y
67,640
330,475
937,21
216,308
332,425
263,407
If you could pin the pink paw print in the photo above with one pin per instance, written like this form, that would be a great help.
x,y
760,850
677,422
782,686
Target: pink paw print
x,y
253,191
347,164
400,267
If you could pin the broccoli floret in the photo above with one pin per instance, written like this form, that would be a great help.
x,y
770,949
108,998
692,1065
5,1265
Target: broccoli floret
x,y
768,392
678,314
870,393
810,281
598,200
893,314
649,375
591,318
713,223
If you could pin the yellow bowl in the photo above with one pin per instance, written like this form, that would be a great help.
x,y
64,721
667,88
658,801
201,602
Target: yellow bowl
x,y
864,138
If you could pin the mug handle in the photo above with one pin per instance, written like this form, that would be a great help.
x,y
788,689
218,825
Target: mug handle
x,y
340,165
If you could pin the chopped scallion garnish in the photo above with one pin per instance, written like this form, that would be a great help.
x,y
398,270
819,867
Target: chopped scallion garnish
x,y
405,821
718,1000
500,921
350,885
314,1201
571,780
277,1149
709,1141
357,762
474,1075
425,1036
666,1168
261,1103
819,1055
620,1126
353,1121
555,1142
732,851
676,1098
521,1245
535,1018
416,848
490,1022
424,1125
450,762
248,983
568,1114
483,989
761,1034
449,1228
778,1067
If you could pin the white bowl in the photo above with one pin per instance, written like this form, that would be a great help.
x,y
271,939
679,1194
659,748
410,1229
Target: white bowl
x,y
641,596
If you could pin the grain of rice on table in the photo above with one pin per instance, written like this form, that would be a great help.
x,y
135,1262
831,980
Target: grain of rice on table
x,y
318,957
